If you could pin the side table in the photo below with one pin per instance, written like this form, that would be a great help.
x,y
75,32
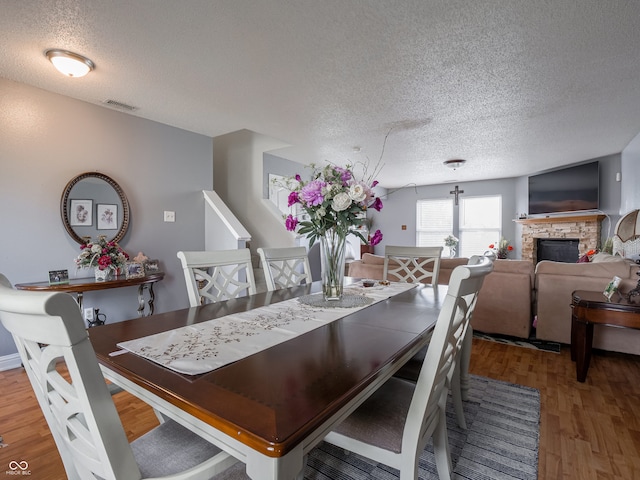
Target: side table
x,y
591,308
78,286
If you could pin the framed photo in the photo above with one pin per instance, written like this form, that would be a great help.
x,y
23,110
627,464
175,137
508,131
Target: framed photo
x,y
151,267
134,270
57,277
107,216
80,213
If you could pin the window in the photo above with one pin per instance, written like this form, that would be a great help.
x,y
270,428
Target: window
x,y
479,223
434,222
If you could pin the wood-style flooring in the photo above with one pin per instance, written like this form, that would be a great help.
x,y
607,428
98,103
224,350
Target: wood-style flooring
x,y
588,430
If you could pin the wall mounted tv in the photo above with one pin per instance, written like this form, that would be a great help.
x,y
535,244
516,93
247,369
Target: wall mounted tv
x,y
570,189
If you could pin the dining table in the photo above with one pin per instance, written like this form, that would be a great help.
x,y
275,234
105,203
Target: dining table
x,y
270,407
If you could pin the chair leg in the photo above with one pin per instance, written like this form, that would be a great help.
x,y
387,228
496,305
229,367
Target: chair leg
x,y
441,448
456,396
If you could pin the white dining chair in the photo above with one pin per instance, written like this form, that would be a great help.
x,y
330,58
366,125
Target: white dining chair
x,y
285,267
50,335
412,264
411,370
217,275
395,423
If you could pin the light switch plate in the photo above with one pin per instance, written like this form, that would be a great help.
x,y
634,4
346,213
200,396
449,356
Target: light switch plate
x,y
169,216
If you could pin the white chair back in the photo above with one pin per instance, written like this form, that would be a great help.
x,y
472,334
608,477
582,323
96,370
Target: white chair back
x,y
215,276
431,389
412,264
51,338
285,267
80,413
372,429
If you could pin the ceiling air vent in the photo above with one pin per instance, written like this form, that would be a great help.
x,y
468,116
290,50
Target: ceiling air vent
x,y
119,105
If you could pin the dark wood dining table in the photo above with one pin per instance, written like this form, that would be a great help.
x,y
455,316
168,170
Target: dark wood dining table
x,y
271,408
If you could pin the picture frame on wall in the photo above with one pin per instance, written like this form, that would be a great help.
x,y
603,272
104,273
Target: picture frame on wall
x,y
107,216
134,270
81,213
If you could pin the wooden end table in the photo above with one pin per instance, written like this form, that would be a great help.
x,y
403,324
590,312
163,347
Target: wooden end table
x,y
591,308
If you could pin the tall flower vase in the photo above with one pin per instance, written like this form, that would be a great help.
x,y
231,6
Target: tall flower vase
x,y
332,259
102,275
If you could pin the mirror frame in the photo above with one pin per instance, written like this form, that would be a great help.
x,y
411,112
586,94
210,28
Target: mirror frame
x,y
64,210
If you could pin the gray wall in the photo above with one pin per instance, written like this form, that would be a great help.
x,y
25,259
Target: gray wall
x,y
47,139
400,206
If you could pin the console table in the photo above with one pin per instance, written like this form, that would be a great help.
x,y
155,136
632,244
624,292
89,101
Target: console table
x,y
590,308
78,286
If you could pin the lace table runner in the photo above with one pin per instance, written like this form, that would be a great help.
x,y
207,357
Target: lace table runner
x,y
205,346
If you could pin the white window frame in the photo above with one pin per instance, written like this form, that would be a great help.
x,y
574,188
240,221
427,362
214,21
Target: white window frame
x,y
457,228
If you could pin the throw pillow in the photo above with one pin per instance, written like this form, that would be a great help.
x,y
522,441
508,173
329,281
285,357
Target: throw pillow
x,y
584,259
603,257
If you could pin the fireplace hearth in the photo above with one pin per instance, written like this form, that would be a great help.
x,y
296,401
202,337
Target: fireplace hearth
x,y
585,229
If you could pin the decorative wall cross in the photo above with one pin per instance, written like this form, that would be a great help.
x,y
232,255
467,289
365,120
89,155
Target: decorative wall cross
x,y
456,192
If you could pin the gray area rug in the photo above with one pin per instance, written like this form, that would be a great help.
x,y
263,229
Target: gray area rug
x,y
520,342
501,441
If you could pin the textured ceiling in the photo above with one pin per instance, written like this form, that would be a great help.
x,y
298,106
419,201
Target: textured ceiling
x,y
512,86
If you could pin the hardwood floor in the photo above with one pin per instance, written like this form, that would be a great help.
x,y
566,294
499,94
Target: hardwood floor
x,y
588,430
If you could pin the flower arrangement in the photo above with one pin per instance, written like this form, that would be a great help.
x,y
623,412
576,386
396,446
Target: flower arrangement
x,y
451,241
502,249
102,254
332,199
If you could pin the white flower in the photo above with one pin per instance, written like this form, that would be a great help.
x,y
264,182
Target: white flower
x,y
357,192
341,202
321,212
96,248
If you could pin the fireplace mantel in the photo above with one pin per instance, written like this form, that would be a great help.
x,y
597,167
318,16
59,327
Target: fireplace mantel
x,y
584,228
567,219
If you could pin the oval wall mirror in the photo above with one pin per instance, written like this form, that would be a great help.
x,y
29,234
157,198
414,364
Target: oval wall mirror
x,y
93,204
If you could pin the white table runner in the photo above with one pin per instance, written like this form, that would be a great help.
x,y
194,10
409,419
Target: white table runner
x,y
205,346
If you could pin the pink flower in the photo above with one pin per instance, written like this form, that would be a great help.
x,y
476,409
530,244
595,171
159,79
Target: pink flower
x,y
345,175
291,223
298,178
375,182
311,193
376,238
293,199
377,204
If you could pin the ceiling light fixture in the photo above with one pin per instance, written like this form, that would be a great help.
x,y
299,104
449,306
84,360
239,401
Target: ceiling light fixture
x,y
69,63
454,163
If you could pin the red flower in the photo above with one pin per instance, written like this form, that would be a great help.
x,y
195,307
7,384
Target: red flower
x,y
492,246
509,248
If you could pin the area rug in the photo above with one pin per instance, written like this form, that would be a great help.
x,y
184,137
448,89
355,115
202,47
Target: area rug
x,y
520,342
501,441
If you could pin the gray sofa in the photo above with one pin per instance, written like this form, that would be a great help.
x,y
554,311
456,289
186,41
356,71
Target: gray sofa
x,y
504,302
514,295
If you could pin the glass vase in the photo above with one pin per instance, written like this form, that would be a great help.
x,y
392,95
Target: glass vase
x,y
332,260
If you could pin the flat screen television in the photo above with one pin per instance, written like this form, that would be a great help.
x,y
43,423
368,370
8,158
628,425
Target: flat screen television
x,y
570,189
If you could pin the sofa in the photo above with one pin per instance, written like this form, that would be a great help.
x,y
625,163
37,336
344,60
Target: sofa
x,y
505,299
515,296
554,283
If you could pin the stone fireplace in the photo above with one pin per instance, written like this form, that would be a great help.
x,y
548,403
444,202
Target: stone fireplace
x,y
585,229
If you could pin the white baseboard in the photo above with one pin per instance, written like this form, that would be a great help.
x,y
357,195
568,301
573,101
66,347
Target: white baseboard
x,y
8,362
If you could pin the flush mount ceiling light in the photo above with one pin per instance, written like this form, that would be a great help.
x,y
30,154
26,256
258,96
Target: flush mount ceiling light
x,y
69,63
454,163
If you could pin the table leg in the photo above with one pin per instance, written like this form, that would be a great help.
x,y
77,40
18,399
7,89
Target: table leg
x,y
581,344
141,303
